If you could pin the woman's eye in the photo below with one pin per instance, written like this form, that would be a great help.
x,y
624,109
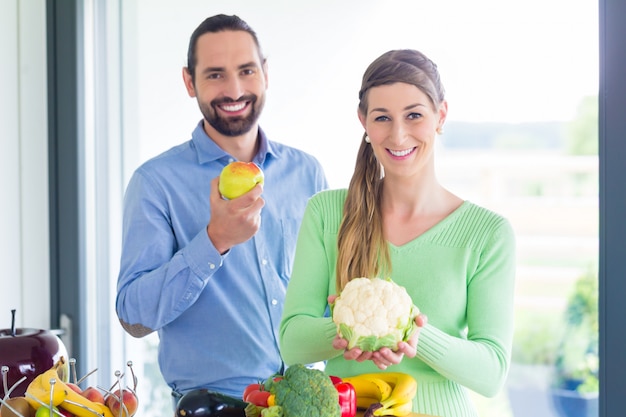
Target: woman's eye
x,y
381,119
414,116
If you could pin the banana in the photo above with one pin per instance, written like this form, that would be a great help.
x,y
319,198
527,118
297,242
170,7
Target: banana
x,y
400,409
85,408
63,396
82,407
365,402
40,388
404,387
370,387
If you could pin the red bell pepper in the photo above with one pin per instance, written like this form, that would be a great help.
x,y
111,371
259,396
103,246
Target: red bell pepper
x,y
347,397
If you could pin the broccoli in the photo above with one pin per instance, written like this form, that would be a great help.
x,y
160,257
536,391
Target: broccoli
x,y
306,392
273,411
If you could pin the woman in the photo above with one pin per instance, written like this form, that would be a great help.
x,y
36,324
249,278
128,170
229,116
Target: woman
x,y
396,220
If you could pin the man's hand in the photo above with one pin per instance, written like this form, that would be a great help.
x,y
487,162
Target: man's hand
x,y
234,221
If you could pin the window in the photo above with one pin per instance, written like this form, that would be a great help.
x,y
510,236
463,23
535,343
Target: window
x,y
514,96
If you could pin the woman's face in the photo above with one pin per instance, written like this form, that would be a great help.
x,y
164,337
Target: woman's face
x,y
402,124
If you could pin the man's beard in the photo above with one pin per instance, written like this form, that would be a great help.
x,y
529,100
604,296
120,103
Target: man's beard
x,y
233,126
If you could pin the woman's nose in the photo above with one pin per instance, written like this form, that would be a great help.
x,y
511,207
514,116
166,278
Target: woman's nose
x,y
398,133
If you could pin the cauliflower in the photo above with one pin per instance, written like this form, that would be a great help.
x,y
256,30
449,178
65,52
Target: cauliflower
x,y
372,313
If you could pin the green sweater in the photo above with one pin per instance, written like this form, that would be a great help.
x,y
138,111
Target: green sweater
x,y
460,273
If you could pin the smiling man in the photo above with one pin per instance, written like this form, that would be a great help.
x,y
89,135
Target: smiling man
x,y
210,274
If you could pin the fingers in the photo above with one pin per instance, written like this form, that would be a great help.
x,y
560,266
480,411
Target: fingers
x,y
339,343
421,320
234,221
387,357
357,355
384,357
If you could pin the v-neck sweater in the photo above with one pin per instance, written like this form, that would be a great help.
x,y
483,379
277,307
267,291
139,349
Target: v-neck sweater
x,y
460,273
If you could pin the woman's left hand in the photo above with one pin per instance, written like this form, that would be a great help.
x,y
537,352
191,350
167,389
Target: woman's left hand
x,y
385,357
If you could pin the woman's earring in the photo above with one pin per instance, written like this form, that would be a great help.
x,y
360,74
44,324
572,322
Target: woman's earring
x,y
439,131
367,139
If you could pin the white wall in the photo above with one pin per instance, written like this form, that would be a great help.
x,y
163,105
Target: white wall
x,y
24,225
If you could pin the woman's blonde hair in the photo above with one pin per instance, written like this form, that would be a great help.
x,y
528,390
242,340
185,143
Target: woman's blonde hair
x,y
362,248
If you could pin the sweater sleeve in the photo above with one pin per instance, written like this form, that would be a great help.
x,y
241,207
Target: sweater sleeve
x,y
306,330
481,361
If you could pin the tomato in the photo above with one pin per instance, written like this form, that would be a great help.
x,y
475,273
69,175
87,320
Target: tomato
x,y
258,398
249,389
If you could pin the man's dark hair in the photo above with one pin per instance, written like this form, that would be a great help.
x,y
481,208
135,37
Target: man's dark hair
x,y
214,24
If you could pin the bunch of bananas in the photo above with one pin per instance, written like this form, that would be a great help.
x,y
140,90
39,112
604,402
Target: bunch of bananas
x,y
49,387
384,394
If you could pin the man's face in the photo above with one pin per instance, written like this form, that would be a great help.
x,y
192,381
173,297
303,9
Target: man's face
x,y
230,81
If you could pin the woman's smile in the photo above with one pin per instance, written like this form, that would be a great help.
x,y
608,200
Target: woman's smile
x,y
401,154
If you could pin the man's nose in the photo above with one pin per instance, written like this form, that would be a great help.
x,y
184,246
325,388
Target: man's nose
x,y
234,88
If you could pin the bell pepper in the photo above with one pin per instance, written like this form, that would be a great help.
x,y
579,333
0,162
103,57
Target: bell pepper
x,y
347,397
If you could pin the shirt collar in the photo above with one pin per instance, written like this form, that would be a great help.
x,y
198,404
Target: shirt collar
x,y
208,151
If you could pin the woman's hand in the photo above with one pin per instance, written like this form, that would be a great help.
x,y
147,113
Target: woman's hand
x,y
384,357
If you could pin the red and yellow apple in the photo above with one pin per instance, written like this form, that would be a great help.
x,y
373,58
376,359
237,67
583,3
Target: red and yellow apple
x,y
126,396
237,178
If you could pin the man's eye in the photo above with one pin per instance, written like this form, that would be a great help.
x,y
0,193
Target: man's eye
x,y
214,76
247,72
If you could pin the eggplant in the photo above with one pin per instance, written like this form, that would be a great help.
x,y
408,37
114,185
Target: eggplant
x,y
204,403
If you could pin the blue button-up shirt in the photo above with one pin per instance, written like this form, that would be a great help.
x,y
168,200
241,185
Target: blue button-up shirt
x,y
217,315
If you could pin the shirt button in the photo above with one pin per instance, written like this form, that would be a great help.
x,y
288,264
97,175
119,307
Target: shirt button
x,y
264,261
211,265
274,302
231,160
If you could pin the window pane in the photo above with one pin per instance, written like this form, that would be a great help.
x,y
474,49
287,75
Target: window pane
x,y
521,139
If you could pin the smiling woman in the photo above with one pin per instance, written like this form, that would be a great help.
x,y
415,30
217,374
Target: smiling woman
x,y
502,63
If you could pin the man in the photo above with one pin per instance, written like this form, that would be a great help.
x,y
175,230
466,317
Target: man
x,y
210,274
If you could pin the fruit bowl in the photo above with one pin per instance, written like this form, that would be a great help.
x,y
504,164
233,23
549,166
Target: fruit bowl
x,y
47,395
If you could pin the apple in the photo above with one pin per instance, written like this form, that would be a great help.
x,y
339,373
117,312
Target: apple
x,y
45,412
128,397
93,395
29,352
237,178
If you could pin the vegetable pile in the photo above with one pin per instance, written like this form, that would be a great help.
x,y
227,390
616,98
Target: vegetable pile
x,y
372,313
301,392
